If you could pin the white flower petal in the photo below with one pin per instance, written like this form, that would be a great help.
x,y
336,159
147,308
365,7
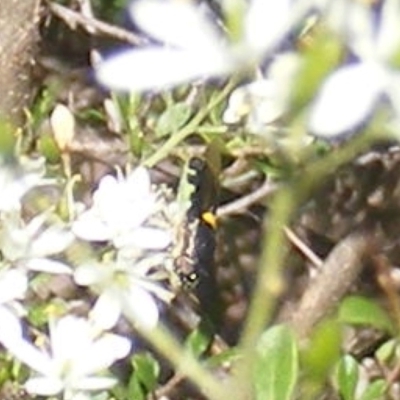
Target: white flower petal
x,y
157,68
95,383
89,227
106,311
140,308
138,183
70,338
178,23
389,30
31,356
47,265
11,329
53,240
91,274
44,386
144,238
346,98
265,24
13,285
102,354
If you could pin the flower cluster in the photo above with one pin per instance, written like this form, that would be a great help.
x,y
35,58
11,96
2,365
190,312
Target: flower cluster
x,y
127,217
194,49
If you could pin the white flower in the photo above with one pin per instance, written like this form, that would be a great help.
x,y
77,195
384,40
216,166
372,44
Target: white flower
x,y
123,288
121,206
17,178
28,246
263,101
195,49
75,357
349,95
13,286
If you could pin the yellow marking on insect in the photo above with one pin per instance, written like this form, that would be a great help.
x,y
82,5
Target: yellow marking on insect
x,y
210,219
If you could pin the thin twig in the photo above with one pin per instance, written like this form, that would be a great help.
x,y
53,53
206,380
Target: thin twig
x,y
243,203
303,248
94,26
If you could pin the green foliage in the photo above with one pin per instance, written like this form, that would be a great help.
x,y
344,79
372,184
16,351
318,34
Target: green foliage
x,y
144,377
7,139
322,352
276,365
173,118
48,148
199,340
357,310
375,391
347,377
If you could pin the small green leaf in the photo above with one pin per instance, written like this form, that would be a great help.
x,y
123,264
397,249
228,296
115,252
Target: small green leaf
x,y
347,377
172,119
375,391
276,366
198,341
7,138
387,351
323,351
145,374
226,357
357,310
48,148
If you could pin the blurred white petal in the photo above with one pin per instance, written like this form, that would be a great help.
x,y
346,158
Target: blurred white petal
x,y
102,353
47,265
44,386
89,227
95,383
346,99
179,23
11,329
13,285
106,311
31,356
144,238
53,240
388,40
138,181
140,308
90,274
265,23
157,68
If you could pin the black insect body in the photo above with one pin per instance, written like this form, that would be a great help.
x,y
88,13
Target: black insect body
x,y
194,264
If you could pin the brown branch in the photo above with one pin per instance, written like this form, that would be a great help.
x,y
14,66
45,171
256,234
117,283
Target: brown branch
x,y
338,274
94,26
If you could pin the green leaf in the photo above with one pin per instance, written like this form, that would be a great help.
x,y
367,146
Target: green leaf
x,y
375,391
387,351
228,356
357,310
173,118
347,377
145,375
323,352
276,366
198,341
48,148
7,138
